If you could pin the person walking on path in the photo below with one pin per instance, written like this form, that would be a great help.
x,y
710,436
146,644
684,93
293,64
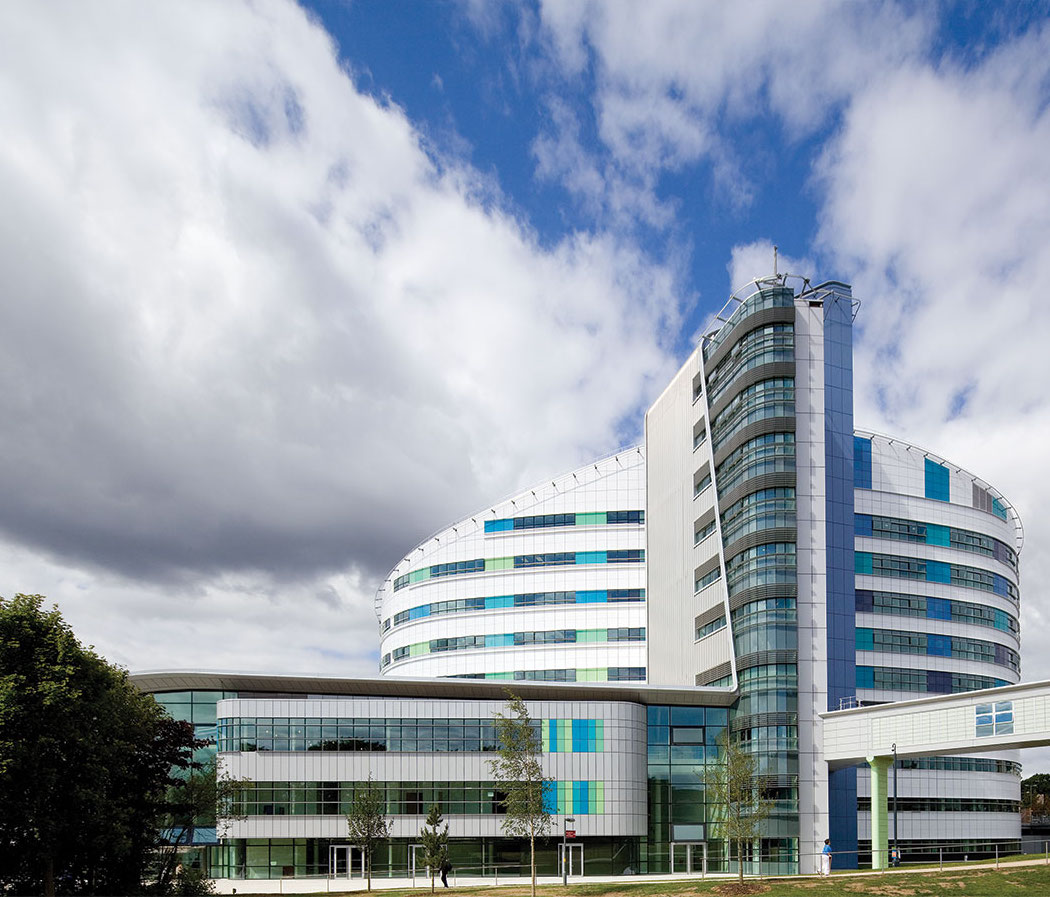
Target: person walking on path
x,y
825,858
446,867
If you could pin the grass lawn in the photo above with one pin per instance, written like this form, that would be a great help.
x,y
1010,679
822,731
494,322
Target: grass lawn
x,y
971,882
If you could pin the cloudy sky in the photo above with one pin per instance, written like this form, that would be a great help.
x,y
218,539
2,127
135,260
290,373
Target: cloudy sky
x,y
285,289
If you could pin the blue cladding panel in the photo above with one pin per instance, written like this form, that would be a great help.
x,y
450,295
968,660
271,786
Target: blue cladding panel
x,y
938,682
939,645
417,613
590,557
999,585
865,677
594,597
579,735
499,526
842,815
938,571
861,463
998,508
938,535
499,601
936,481
938,609
550,797
865,639
862,524
865,600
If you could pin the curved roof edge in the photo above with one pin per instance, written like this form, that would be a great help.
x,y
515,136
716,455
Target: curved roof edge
x,y
298,684
1015,518
517,502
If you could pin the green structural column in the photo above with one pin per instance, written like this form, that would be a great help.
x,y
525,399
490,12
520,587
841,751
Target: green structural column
x,y
880,829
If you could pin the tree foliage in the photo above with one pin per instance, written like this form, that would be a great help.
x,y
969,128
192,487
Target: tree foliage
x,y
435,843
85,761
367,824
737,791
518,774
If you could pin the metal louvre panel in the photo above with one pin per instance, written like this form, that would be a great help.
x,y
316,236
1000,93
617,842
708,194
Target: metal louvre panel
x,y
763,372
709,616
776,315
783,479
761,537
714,674
763,719
758,428
764,658
706,567
774,590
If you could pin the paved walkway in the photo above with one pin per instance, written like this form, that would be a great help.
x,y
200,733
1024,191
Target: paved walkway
x,y
344,885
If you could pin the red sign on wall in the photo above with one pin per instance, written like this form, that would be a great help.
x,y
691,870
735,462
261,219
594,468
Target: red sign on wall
x,y
570,833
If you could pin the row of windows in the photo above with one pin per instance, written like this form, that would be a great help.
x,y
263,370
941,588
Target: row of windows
x,y
701,485
948,805
524,599
543,521
358,734
768,453
704,581
935,645
761,510
929,681
406,798
548,559
703,532
763,345
962,764
906,605
597,674
869,564
770,675
765,611
761,565
713,626
933,534
767,398
773,297
518,639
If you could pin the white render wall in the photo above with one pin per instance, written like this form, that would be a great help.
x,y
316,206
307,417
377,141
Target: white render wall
x,y
621,766
612,484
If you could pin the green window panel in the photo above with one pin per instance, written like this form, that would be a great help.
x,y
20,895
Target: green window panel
x,y
591,635
419,575
599,738
596,519
418,648
598,675
499,564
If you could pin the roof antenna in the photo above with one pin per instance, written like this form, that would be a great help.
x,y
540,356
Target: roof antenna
x,y
774,261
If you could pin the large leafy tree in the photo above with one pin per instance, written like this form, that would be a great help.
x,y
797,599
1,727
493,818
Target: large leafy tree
x,y
366,822
738,795
518,774
85,761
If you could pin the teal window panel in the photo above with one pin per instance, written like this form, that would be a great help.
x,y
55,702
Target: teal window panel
x,y
862,562
499,526
593,597
938,571
499,601
1002,621
998,508
865,639
865,677
590,557
502,640
936,481
579,735
938,535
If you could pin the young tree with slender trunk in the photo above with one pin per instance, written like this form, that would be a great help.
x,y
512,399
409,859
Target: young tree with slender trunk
x,y
517,772
435,844
366,822
736,789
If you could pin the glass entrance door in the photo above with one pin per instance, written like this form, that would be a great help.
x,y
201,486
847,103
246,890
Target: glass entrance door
x,y
346,861
689,857
571,855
